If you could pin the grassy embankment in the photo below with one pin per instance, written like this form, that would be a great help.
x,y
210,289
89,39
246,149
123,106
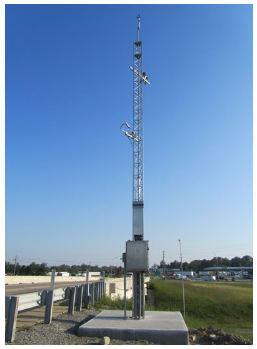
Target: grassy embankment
x,y
228,306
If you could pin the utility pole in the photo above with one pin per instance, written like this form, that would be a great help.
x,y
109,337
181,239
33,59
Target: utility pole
x,y
183,291
217,272
15,259
137,249
163,265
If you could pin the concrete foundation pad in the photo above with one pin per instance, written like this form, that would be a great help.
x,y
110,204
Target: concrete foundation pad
x,y
157,327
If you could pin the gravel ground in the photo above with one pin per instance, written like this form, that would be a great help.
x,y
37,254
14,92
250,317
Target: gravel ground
x,y
64,328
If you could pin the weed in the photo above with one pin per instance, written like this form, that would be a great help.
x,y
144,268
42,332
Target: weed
x,y
117,303
24,328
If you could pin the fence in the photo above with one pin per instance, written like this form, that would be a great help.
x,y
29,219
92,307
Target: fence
x,y
78,297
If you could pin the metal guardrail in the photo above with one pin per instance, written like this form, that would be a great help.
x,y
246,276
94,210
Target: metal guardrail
x,y
77,295
26,301
59,294
34,299
29,300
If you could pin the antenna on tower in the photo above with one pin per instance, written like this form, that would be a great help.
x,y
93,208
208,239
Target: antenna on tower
x,y
138,28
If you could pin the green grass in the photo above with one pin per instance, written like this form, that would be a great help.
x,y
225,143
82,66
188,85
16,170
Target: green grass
x,y
228,306
115,304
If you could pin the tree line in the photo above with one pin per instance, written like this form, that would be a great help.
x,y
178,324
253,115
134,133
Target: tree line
x,y
42,269
199,264
196,265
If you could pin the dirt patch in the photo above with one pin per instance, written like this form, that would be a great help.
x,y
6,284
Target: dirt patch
x,y
212,335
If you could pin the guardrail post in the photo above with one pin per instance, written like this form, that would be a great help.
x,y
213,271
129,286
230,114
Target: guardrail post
x,y
96,291
50,300
101,289
43,297
103,282
52,279
72,300
87,277
7,303
49,306
85,295
67,292
12,319
79,299
76,296
93,293
86,291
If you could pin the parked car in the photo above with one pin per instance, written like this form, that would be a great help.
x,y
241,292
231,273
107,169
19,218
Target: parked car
x,y
179,277
208,278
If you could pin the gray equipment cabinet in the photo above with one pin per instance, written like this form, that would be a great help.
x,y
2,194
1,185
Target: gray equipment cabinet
x,y
137,255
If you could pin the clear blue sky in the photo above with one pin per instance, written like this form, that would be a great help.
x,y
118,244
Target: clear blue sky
x,y
68,168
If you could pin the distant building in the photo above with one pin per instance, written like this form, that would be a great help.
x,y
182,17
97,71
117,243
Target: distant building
x,y
232,270
249,269
50,273
91,273
63,273
59,273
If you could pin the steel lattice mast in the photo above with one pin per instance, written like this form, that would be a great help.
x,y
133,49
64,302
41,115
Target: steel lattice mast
x,y
138,120
136,256
139,78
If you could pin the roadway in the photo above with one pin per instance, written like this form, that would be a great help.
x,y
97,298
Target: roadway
x,y
13,290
